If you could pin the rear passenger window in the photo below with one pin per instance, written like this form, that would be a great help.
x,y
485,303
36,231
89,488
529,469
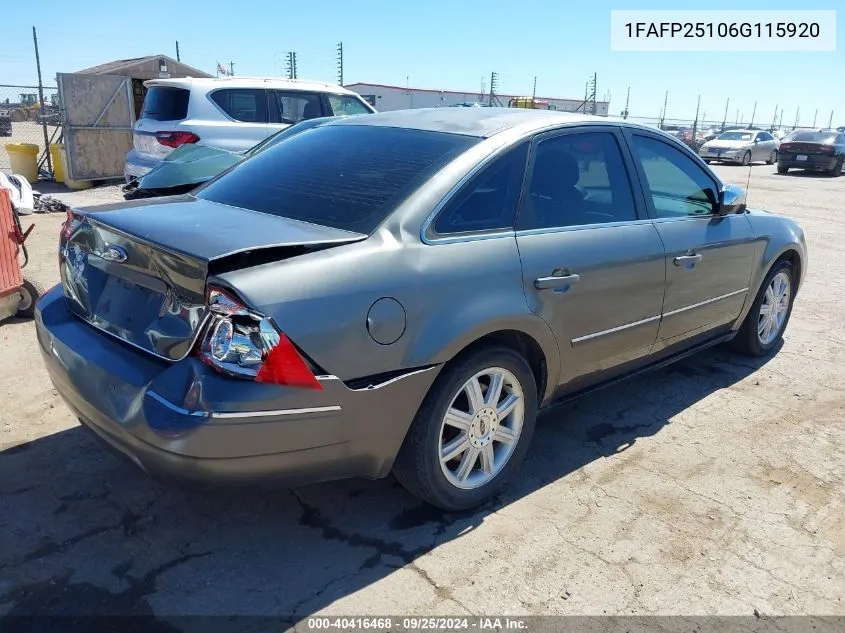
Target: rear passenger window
x,y
243,104
293,107
165,104
489,201
344,105
577,179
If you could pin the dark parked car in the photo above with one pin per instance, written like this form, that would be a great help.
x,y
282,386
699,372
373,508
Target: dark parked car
x,y
403,292
815,151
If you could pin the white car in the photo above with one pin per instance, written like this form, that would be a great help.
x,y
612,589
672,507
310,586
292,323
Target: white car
x,y
231,113
742,146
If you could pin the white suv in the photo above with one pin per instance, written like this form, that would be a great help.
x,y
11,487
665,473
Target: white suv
x,y
232,113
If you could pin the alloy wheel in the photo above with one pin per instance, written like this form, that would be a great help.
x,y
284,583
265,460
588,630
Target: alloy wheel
x,y
774,308
481,428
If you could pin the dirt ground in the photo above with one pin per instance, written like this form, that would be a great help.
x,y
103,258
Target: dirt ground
x,y
714,486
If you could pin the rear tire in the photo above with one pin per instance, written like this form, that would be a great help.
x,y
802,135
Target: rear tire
x,y
478,471
30,291
837,168
753,338
782,169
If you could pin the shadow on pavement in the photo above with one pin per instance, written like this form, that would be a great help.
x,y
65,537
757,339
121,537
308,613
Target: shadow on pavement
x,y
85,533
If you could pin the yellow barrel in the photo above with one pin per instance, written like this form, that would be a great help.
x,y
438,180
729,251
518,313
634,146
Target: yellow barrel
x,y
23,159
73,184
55,158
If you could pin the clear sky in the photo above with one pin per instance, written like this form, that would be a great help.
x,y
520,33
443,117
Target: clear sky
x,y
440,44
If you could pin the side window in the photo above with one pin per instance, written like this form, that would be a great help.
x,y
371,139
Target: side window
x,y
677,185
489,200
242,104
577,179
293,107
765,136
344,105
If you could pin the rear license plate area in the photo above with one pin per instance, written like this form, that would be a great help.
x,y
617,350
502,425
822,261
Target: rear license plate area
x,y
128,306
801,157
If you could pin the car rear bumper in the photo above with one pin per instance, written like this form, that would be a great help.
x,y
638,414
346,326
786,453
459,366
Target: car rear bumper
x,y
138,165
812,162
183,422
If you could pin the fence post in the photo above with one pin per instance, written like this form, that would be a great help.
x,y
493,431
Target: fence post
x,y
41,108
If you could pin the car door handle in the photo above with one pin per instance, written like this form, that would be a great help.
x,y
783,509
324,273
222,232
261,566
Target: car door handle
x,y
555,281
686,260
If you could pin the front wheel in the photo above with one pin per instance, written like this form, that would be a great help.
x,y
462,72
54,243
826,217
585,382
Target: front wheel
x,y
773,158
766,321
746,159
472,431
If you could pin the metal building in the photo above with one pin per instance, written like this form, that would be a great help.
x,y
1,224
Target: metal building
x,y
385,98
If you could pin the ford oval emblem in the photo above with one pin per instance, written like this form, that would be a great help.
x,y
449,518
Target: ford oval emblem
x,y
115,254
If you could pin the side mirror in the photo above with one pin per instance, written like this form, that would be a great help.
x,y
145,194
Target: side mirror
x,y
731,200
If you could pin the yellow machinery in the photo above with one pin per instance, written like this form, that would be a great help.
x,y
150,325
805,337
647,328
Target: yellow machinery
x,y
530,103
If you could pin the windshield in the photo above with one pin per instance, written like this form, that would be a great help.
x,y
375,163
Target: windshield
x,y
345,176
736,136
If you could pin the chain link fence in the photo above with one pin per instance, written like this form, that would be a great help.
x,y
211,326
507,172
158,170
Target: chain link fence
x,y
24,119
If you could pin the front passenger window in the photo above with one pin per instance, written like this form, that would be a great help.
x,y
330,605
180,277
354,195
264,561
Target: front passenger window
x,y
678,186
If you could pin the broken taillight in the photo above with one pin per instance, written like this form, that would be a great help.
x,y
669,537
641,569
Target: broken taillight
x,y
242,343
175,139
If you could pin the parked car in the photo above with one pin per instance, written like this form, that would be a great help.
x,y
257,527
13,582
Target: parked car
x,y
231,113
403,292
190,165
813,151
741,146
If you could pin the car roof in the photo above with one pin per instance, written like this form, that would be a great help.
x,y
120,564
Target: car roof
x,y
249,82
479,122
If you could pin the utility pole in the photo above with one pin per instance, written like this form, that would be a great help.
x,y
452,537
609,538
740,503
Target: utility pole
x,y
797,111
178,58
663,115
494,87
695,123
627,100
736,120
830,122
340,63
753,112
534,91
725,118
291,65
595,90
815,116
41,103
774,119
231,69
780,120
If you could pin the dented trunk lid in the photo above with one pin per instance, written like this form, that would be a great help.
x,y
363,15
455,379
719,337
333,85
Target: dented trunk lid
x,y
138,270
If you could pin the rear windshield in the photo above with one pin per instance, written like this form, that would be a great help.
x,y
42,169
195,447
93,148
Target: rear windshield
x,y
811,137
165,104
345,176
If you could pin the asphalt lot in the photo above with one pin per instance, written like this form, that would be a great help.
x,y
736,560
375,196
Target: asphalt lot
x,y
714,486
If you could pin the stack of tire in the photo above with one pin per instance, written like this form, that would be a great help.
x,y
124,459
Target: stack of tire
x,y
5,123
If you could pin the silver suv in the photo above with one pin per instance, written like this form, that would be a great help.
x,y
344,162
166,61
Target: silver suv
x,y
232,113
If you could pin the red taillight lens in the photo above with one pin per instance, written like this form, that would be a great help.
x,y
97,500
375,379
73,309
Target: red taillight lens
x,y
785,147
175,139
239,342
826,149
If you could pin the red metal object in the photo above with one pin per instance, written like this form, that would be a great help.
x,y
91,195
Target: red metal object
x,y
11,241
